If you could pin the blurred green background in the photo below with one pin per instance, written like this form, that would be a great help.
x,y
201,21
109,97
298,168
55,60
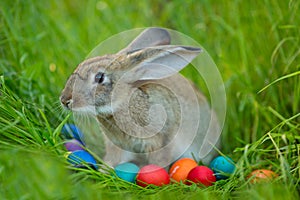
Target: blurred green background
x,y
253,44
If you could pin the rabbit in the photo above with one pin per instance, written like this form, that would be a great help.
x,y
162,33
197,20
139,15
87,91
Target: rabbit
x,y
148,112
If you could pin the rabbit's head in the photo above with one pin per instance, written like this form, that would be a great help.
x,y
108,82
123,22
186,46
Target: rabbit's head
x,y
148,58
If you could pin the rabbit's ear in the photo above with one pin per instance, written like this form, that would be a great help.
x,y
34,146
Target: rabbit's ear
x,y
149,38
160,62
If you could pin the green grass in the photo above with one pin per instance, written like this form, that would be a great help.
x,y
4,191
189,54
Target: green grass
x,y
255,44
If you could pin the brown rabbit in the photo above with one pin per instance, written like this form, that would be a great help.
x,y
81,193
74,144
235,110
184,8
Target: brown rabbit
x,y
146,110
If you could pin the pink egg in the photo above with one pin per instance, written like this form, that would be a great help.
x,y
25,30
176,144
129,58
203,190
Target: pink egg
x,y
152,175
203,175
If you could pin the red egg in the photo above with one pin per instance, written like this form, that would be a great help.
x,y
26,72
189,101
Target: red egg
x,y
203,175
152,175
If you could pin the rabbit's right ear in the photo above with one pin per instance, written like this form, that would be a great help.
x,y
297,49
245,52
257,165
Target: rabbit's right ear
x,y
148,38
159,62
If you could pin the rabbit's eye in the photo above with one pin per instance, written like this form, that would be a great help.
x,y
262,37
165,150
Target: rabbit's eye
x,y
99,78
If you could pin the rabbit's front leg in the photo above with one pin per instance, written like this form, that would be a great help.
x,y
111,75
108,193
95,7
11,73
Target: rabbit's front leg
x,y
115,155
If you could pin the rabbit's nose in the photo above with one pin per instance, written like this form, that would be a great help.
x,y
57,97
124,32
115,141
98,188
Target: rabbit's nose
x,y
66,101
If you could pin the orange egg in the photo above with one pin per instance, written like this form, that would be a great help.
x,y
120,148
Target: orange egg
x,y
181,168
261,175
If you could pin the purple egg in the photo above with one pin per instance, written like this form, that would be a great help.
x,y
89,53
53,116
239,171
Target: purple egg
x,y
73,145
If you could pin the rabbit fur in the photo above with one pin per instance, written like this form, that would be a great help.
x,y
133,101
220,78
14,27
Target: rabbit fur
x,y
147,111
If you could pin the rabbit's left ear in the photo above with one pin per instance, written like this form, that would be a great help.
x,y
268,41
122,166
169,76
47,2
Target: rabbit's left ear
x,y
160,62
148,38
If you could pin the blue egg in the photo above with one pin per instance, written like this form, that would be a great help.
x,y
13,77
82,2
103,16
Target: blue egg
x,y
222,166
70,131
81,157
127,171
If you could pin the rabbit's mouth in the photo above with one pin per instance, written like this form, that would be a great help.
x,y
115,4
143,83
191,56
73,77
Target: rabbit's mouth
x,y
66,102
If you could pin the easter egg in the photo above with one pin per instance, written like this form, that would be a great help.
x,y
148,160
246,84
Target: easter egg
x,y
127,171
222,166
181,168
70,131
81,157
73,145
203,175
152,175
260,175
